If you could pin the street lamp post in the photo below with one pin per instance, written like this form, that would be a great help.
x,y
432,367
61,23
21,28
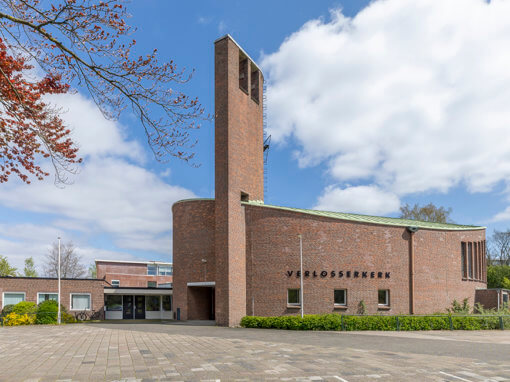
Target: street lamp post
x,y
58,275
301,273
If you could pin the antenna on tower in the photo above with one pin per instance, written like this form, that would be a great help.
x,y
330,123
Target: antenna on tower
x,y
267,138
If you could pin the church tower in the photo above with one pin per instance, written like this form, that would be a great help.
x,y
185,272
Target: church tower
x,y
239,170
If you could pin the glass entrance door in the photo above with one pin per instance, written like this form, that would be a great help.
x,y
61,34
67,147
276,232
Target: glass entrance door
x,y
140,307
127,307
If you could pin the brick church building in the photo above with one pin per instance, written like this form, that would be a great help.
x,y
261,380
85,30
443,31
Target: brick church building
x,y
234,255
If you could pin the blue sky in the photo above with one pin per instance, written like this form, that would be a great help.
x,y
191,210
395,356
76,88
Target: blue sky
x,y
370,105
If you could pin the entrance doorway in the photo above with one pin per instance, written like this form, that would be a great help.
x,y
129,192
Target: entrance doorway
x,y
127,307
140,307
201,303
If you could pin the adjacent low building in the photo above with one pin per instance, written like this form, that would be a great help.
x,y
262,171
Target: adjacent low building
x,y
122,290
77,295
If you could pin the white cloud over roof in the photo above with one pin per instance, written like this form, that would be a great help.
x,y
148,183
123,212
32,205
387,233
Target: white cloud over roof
x,y
405,97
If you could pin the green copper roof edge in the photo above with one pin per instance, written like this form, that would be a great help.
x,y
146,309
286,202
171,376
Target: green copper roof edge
x,y
381,220
192,200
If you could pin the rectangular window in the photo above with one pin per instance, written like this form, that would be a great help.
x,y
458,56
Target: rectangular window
x,y
165,285
470,260
46,296
80,301
293,297
152,269
113,302
464,260
151,284
383,296
254,83
152,303
12,298
243,72
165,270
167,303
115,283
340,297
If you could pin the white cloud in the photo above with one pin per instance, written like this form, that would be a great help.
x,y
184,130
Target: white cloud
x,y
17,250
358,199
408,96
222,27
112,195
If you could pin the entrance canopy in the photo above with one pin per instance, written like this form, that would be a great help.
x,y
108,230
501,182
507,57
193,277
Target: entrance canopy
x,y
139,291
202,284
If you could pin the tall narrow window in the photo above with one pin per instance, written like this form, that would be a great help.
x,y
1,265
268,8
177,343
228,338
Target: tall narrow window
x,y
243,72
254,83
470,260
166,303
464,260
475,261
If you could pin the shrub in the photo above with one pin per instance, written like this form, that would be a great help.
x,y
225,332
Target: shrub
x,y
14,319
349,323
458,308
25,307
68,318
47,312
7,309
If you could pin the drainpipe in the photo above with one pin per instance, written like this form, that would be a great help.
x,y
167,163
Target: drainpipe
x,y
412,230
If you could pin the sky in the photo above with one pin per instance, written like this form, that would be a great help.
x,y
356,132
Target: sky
x,y
370,105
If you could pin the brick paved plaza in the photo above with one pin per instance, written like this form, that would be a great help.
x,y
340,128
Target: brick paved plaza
x,y
164,351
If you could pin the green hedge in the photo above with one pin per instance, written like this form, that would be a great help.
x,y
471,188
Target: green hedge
x,y
349,323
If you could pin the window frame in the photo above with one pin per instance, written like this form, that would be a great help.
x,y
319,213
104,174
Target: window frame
x,y
387,300
79,294
345,297
147,303
155,272
167,273
118,283
8,292
294,304
171,303
114,310
463,259
38,293
155,284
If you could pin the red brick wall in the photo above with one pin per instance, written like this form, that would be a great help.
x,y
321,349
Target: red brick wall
x,y
193,240
238,168
32,286
129,274
333,245
488,298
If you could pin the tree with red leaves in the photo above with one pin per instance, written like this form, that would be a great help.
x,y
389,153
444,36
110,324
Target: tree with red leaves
x,y
85,43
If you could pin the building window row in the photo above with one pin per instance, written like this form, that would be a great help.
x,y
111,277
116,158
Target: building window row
x,y
473,260
159,270
339,297
152,303
79,301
